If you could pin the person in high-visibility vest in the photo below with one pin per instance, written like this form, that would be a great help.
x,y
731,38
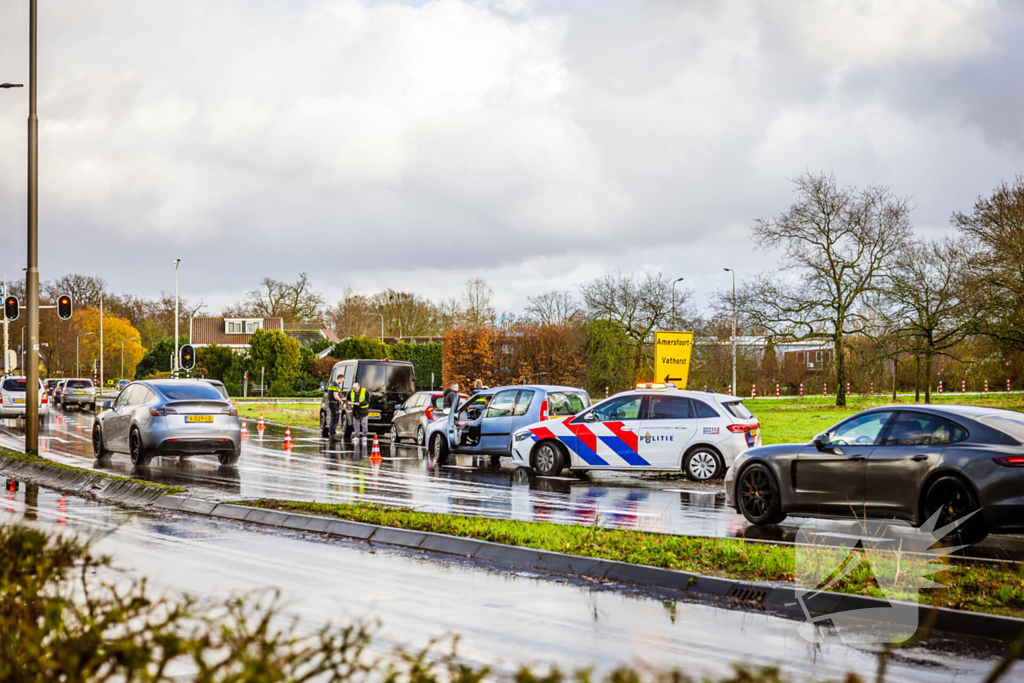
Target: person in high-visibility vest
x,y
334,400
360,405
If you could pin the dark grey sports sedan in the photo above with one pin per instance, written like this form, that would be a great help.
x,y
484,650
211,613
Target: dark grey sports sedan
x,y
894,463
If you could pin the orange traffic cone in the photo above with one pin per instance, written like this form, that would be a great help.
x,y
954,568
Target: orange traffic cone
x,y
245,431
287,438
261,426
375,453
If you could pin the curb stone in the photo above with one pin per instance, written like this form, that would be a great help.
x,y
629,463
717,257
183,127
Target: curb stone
x,y
778,600
82,482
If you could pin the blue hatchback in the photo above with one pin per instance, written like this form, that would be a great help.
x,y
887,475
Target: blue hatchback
x,y
484,424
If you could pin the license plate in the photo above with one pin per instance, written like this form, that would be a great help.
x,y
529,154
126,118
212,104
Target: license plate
x,y
374,414
199,418
19,400
753,432
79,393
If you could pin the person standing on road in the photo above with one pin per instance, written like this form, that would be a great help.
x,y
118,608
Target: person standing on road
x,y
334,400
451,395
360,406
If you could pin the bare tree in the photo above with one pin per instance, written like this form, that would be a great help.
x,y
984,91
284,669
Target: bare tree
x,y
927,299
85,290
636,305
996,226
477,310
354,316
554,308
294,302
405,314
836,243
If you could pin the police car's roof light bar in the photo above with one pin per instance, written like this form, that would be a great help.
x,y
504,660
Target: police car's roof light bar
x,y
655,385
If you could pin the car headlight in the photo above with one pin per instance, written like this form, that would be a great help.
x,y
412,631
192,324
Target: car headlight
x,y
522,435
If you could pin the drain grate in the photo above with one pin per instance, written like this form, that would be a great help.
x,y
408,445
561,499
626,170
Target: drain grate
x,y
747,593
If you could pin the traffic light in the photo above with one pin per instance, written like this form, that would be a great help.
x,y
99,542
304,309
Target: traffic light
x,y
64,307
188,357
11,308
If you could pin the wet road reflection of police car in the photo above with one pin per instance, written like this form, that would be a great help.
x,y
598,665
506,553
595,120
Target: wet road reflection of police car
x,y
654,427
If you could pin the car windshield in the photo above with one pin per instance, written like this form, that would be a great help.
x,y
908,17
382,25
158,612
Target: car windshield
x,y
15,384
566,402
79,384
737,409
190,392
1008,424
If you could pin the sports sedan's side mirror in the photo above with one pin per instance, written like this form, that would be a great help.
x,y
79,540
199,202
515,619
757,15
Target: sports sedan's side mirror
x,y
820,442
107,405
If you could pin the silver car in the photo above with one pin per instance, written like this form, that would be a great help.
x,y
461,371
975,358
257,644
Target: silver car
x,y
79,391
12,397
167,417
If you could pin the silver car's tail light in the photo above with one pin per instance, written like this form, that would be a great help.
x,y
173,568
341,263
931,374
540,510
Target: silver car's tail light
x,y
231,411
160,412
743,428
1011,461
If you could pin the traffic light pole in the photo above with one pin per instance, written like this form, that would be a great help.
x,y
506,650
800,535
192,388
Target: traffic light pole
x,y
32,274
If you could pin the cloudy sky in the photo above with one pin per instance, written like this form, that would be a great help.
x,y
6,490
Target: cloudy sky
x,y
537,144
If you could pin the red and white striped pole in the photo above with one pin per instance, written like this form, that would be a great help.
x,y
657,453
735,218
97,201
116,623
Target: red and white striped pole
x,y
847,388
824,389
801,390
872,388
729,390
986,386
606,392
1007,386
963,386
753,391
776,391
940,387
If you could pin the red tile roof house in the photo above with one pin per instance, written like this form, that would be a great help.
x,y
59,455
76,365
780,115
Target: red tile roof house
x,y
235,333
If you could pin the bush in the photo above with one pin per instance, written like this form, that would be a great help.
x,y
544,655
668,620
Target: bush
x,y
426,361
361,347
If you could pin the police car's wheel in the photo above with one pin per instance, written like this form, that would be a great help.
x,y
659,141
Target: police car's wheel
x,y
703,464
547,459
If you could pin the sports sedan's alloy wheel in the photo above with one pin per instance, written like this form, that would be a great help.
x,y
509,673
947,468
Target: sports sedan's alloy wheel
x,y
421,436
393,434
98,449
231,458
547,459
702,465
758,496
138,453
953,500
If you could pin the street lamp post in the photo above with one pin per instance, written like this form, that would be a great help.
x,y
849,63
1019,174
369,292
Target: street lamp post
x,y
675,316
32,274
734,389
6,322
122,353
78,371
174,361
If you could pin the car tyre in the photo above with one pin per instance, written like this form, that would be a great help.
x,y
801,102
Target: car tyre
x,y
421,436
703,464
548,459
393,434
953,498
439,449
757,493
230,457
140,456
99,449
346,428
324,425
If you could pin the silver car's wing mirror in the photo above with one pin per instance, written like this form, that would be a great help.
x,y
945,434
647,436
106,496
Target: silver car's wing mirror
x,y
107,405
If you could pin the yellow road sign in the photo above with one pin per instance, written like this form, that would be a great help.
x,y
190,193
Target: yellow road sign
x,y
672,357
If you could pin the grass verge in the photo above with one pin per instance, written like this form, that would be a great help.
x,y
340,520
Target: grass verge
x,y
991,588
24,457
797,420
291,414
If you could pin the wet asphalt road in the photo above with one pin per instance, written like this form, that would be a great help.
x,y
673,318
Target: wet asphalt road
x,y
502,618
319,470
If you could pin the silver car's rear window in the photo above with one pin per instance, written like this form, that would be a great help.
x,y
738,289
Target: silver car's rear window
x,y
191,392
1012,425
737,409
79,384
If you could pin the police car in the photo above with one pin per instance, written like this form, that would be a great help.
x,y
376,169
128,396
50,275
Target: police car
x,y
654,427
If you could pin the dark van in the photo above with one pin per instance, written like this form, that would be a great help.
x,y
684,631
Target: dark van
x,y
388,383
